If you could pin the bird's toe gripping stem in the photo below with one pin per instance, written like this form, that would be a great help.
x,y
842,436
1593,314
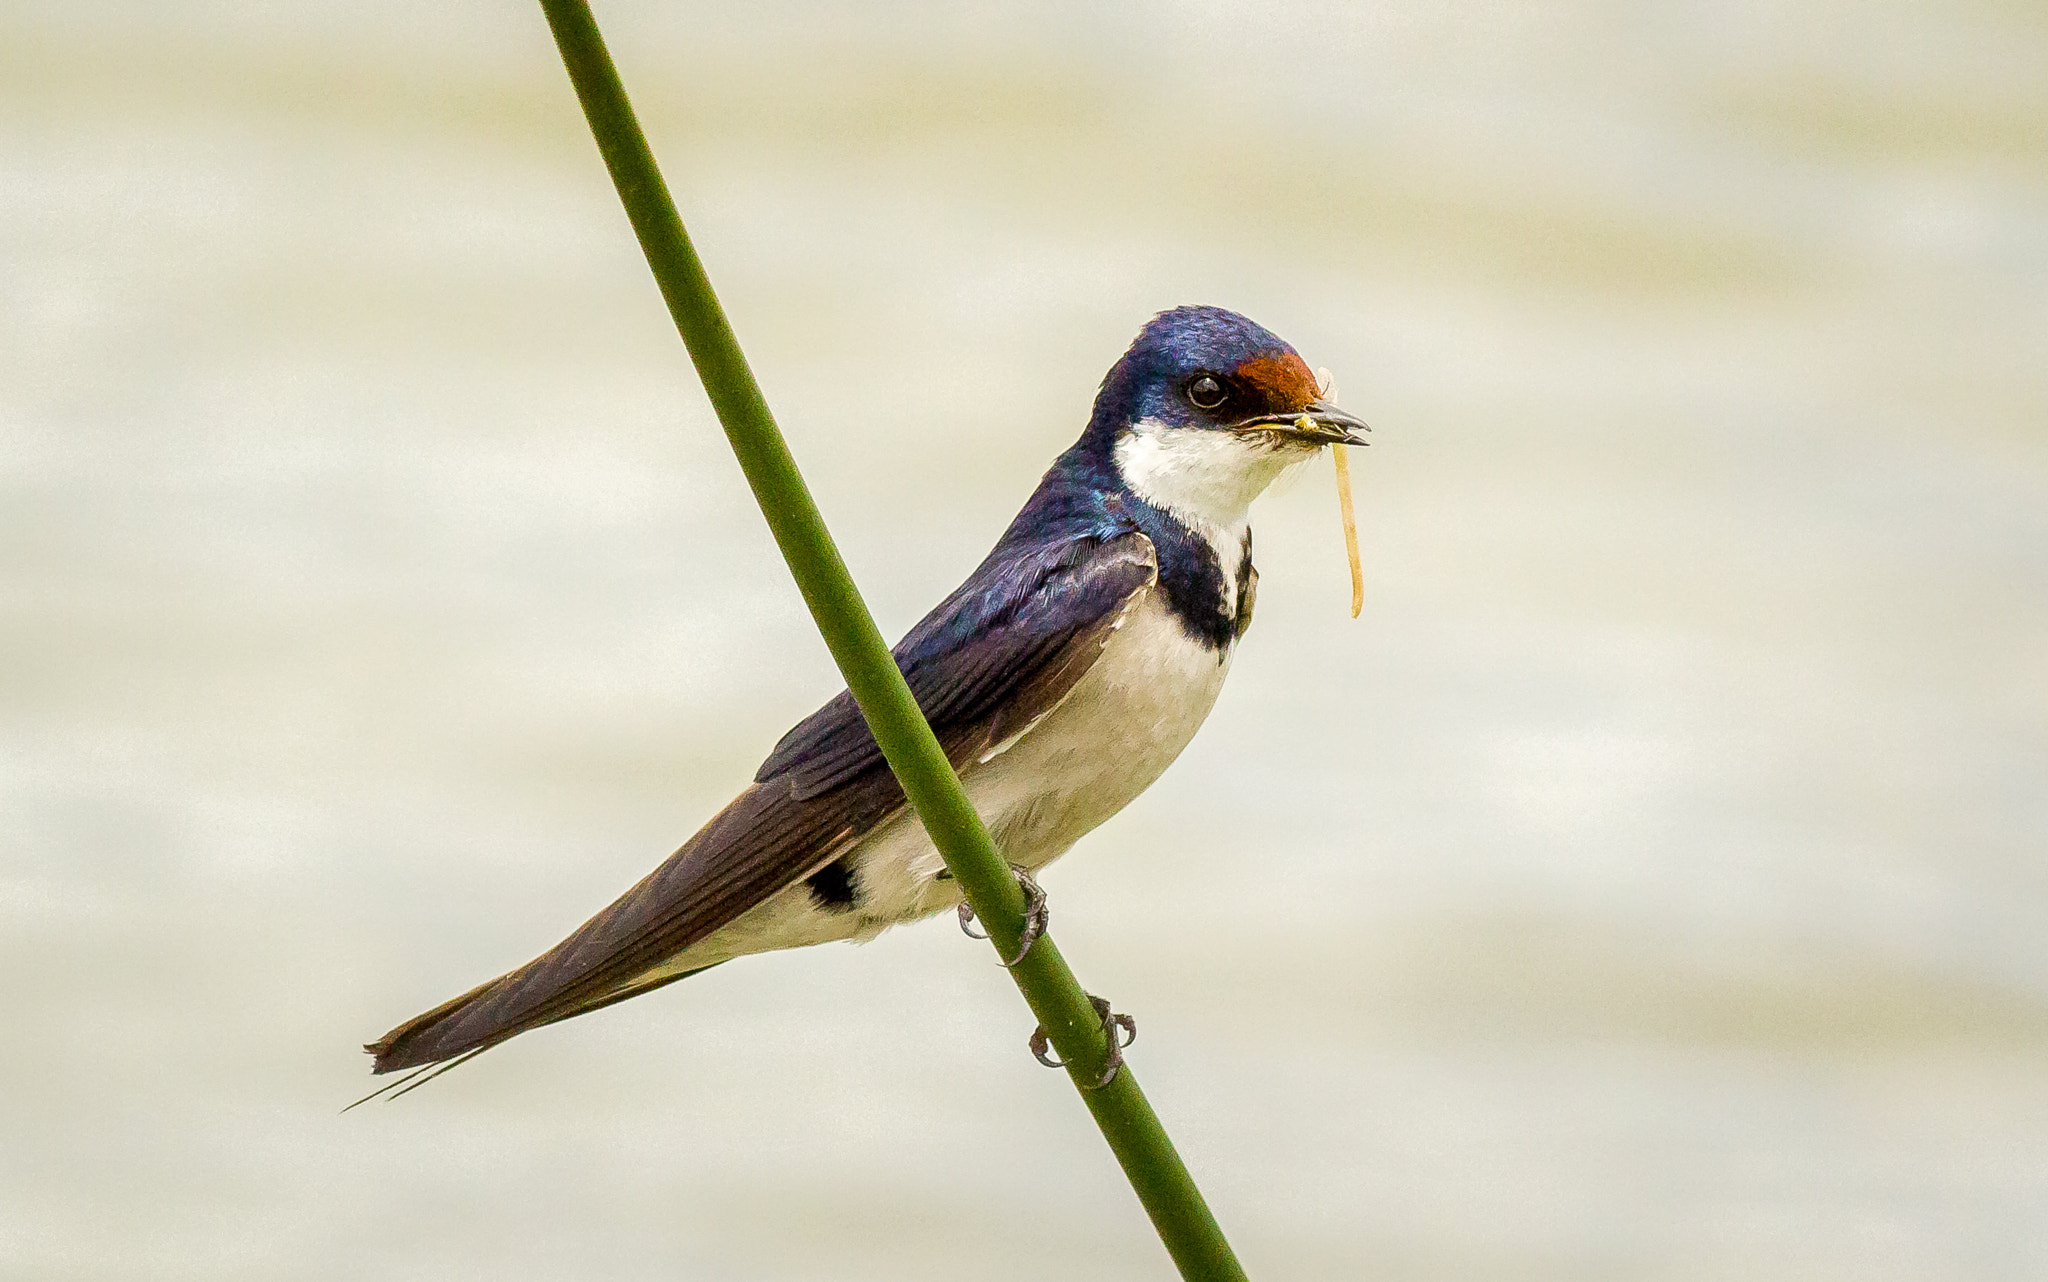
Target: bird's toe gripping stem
x,y
1036,915
1119,1031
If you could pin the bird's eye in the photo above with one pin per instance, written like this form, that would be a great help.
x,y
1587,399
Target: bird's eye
x,y
1205,391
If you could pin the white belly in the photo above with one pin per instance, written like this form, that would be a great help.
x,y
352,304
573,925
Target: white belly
x,y
1123,723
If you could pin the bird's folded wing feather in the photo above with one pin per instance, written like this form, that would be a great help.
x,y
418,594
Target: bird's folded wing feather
x,y
999,652
993,652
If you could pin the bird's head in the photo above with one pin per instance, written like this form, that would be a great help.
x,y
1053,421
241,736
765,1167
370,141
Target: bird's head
x,y
1206,409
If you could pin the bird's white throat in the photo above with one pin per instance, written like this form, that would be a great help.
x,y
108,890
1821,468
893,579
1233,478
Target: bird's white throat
x,y
1205,477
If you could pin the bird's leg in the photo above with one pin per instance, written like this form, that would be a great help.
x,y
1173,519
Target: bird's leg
x,y
1036,915
1119,1030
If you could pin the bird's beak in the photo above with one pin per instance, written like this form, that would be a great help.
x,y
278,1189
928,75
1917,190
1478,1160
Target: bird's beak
x,y
1319,423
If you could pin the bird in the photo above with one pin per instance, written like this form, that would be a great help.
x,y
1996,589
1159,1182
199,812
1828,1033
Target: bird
x,y
1061,678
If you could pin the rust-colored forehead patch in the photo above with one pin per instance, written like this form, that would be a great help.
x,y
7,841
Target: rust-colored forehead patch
x,y
1283,379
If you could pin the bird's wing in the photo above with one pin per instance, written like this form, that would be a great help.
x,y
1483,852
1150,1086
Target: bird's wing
x,y
1005,648
995,654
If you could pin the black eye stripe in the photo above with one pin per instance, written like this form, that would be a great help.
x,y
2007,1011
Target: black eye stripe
x,y
1206,392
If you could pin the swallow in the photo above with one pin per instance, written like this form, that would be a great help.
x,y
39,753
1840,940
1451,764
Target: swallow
x,y
1062,678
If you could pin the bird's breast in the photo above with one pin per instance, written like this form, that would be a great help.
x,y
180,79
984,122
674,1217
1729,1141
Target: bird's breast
x,y
1123,723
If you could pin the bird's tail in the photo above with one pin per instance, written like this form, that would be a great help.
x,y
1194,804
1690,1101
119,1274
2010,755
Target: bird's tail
x,y
460,1029
455,1027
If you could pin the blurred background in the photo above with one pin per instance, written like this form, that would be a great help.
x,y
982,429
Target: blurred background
x,y
1650,885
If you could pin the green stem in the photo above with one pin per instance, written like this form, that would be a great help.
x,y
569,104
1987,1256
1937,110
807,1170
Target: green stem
x,y
1135,1136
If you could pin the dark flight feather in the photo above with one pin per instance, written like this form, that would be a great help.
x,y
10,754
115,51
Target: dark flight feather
x,y
1001,650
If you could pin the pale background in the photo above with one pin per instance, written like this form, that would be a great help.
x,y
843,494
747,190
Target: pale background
x,y
1650,886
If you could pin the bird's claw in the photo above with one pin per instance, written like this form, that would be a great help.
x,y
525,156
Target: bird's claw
x,y
1118,1030
1036,915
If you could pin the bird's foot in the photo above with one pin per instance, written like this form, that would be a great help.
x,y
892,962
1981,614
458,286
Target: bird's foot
x,y
1118,1030
1036,915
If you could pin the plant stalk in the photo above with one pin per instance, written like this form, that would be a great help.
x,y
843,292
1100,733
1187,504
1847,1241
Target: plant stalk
x,y
1140,1144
